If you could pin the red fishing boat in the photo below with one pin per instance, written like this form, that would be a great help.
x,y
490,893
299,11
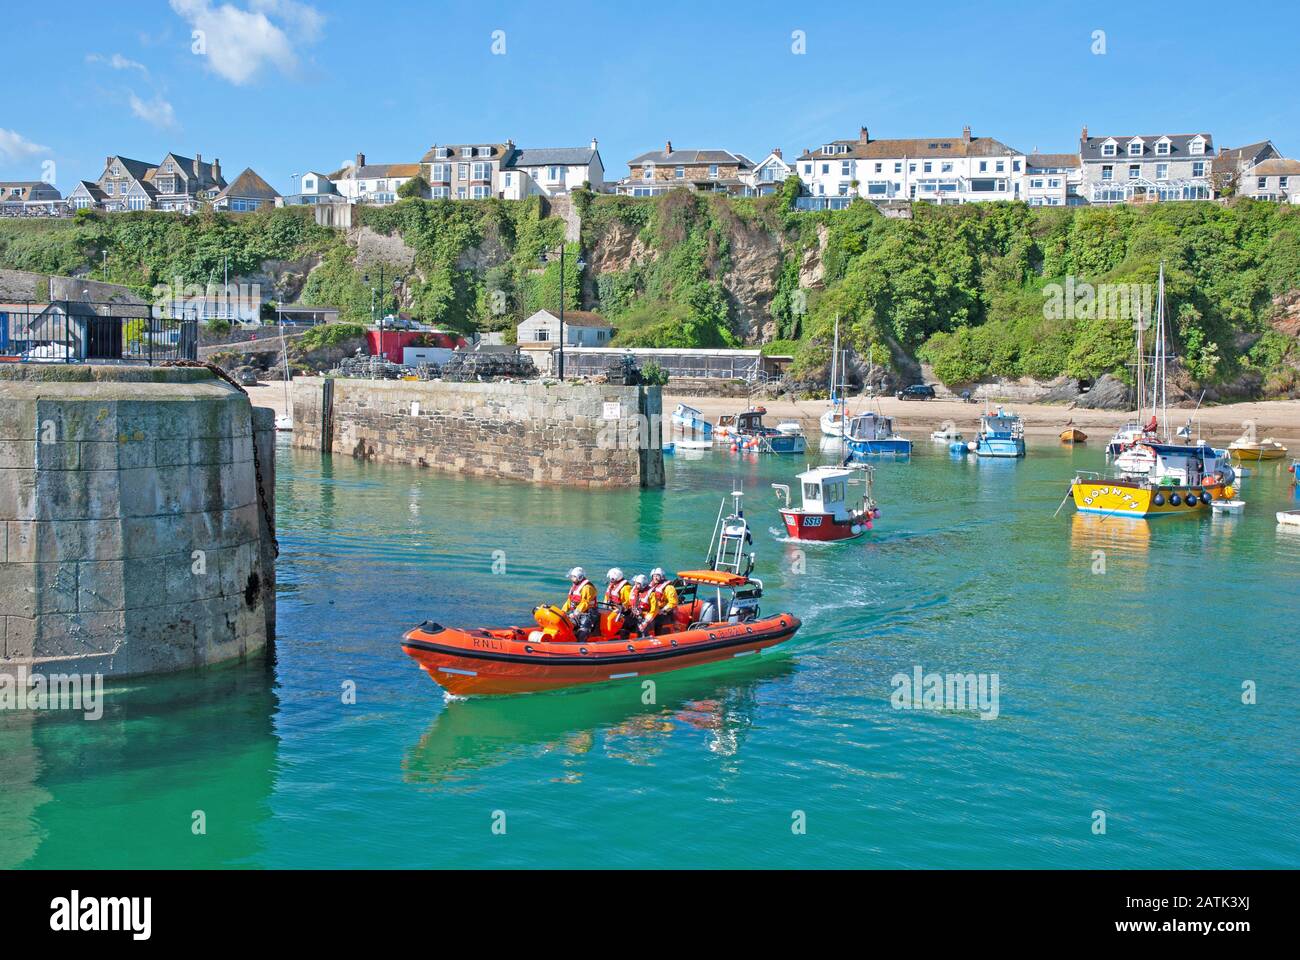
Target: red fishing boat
x,y
826,512
717,620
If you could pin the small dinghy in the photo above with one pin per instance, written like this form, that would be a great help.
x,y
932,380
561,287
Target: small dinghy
x,y
1244,448
1073,435
1288,518
946,434
1227,506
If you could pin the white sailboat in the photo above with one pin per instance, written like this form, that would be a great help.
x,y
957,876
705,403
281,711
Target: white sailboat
x,y
832,421
284,423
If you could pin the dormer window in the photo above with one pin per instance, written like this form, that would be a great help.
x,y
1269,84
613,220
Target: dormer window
x,y
1108,149
1162,148
1135,148
467,151
1197,146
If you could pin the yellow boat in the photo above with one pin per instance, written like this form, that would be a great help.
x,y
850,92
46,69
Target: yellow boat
x,y
1181,479
1141,498
1073,435
1266,449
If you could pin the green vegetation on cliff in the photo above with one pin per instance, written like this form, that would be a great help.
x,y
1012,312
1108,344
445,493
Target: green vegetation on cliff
x,y
974,290
141,250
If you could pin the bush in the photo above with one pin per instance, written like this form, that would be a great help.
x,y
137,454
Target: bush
x,y
330,335
653,374
413,189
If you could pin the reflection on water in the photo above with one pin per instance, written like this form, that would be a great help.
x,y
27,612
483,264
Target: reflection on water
x,y
470,735
122,791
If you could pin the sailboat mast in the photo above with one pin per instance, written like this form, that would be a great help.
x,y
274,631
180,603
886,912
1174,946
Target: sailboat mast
x,y
835,356
1161,352
1140,368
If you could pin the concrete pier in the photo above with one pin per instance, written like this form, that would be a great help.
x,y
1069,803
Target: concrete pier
x,y
132,535
575,434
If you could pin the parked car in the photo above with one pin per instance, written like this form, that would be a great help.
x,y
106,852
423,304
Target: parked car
x,y
917,391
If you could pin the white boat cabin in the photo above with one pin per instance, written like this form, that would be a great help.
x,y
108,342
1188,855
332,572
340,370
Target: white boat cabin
x,y
871,426
826,490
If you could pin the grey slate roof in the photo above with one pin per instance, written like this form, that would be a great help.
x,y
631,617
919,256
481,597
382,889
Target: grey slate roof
x,y
690,156
1090,148
249,186
545,156
137,169
1041,160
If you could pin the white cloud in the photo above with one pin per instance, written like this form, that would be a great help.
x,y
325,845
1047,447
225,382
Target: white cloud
x,y
157,111
117,62
14,147
238,43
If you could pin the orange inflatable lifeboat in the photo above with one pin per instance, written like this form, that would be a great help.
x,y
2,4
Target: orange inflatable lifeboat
x,y
718,619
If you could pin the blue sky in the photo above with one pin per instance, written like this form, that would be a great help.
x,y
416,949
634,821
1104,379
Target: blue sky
x,y
291,85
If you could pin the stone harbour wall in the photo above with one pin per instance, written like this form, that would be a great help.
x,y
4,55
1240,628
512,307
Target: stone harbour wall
x,y
592,435
131,536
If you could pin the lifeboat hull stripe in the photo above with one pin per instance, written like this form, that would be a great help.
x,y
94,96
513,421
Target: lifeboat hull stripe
x,y
667,653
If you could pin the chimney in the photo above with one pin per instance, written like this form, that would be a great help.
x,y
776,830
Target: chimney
x,y
776,152
593,143
198,166
216,170
108,161
1222,151
668,147
863,136
1084,135
361,161
965,133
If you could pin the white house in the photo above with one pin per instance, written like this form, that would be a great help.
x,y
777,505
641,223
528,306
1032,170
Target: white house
x,y
582,328
539,335
376,183
768,175
945,170
1052,180
551,171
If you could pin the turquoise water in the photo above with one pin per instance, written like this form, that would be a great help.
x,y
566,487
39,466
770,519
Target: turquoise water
x,y
1119,691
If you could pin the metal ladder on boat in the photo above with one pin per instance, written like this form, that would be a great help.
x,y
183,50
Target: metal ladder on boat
x,y
732,543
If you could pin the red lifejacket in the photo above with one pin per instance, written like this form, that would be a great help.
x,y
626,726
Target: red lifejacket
x,y
614,591
641,599
575,594
661,591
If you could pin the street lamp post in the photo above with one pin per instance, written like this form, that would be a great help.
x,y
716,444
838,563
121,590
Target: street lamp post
x,y
581,263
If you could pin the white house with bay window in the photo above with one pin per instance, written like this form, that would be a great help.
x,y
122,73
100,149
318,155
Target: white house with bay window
x,y
1053,180
1144,169
768,175
945,170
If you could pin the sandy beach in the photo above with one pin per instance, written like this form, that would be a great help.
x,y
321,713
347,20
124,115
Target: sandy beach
x,y
1220,425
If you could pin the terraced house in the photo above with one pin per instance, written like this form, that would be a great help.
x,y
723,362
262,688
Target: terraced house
x,y
710,171
1053,180
465,171
1146,168
944,170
